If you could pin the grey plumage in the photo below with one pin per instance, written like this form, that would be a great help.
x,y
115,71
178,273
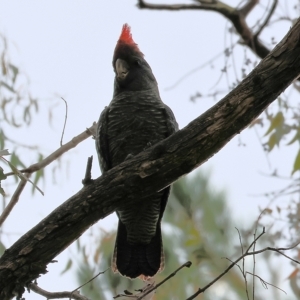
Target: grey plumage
x,y
135,119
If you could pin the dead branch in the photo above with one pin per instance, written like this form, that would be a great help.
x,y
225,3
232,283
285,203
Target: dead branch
x,y
56,295
247,253
59,152
236,16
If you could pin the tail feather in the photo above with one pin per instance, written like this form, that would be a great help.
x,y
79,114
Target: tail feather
x,y
135,260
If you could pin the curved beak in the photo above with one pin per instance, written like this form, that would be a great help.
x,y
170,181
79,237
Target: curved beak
x,y
122,68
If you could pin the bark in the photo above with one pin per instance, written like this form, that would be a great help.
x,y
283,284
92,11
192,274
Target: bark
x,y
152,169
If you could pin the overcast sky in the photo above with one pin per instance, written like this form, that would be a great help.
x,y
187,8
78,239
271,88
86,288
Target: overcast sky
x,y
66,47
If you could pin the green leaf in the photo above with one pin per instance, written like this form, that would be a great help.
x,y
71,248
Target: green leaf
x,y
68,267
296,163
2,248
2,139
15,71
2,192
276,122
2,175
21,176
10,88
27,115
38,175
272,141
15,160
295,138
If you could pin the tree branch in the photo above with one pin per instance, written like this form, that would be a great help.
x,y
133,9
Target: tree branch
x,y
234,263
59,152
247,7
266,21
56,295
13,201
236,16
151,170
40,165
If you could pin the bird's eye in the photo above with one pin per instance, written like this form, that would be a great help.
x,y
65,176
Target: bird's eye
x,y
137,62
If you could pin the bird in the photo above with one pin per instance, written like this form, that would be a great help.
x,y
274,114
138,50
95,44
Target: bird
x,y
135,119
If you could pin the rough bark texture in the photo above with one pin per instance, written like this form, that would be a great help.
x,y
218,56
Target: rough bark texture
x,y
151,170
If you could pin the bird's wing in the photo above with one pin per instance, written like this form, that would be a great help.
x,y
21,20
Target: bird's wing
x,y
171,121
102,141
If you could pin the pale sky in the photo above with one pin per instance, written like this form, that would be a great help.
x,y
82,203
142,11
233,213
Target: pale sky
x,y
65,47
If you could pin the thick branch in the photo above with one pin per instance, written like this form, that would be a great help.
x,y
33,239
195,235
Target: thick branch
x,y
151,170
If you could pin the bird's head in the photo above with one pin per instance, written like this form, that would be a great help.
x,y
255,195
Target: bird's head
x,y
132,71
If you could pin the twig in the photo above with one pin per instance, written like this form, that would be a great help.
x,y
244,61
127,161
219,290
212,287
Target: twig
x,y
247,253
254,262
243,264
151,287
13,201
194,70
265,23
60,151
236,16
76,290
66,117
88,172
187,264
40,165
143,4
56,295
19,144
265,283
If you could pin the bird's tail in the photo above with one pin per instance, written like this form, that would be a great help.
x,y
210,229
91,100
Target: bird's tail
x,y
140,259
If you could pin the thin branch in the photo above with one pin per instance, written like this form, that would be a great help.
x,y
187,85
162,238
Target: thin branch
x,y
254,264
18,143
255,240
13,201
60,151
143,4
236,16
242,248
150,287
265,283
266,21
246,9
187,264
76,290
243,264
141,291
207,63
66,117
40,165
56,295
247,253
